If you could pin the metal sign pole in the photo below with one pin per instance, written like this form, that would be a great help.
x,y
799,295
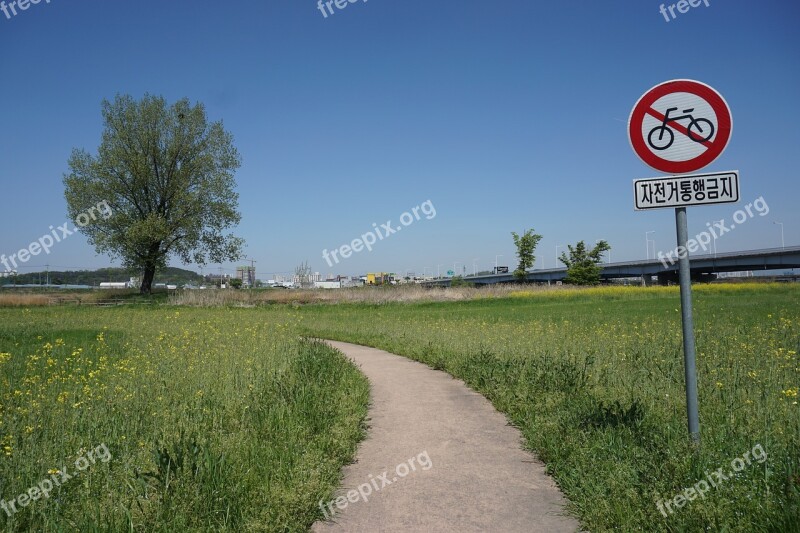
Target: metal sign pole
x,y
689,364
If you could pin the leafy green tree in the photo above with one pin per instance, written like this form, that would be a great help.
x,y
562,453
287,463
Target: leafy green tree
x,y
459,281
236,283
583,265
526,245
165,175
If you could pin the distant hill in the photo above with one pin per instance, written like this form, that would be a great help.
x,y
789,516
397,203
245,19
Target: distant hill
x,y
173,275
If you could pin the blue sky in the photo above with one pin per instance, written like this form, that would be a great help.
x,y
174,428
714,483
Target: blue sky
x,y
506,115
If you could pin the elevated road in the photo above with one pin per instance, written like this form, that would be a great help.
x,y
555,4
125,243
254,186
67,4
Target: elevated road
x,y
703,267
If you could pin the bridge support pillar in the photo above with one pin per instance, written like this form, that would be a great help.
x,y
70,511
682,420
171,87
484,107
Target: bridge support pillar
x,y
668,278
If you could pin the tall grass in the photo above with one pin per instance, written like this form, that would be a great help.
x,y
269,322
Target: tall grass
x,y
215,419
23,300
44,297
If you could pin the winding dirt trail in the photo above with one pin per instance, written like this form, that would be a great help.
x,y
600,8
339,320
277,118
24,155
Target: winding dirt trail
x,y
451,461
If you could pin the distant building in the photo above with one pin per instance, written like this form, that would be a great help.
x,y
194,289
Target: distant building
x,y
218,280
308,281
247,274
114,285
378,278
130,284
327,284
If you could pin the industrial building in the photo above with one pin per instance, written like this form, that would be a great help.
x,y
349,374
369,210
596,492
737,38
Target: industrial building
x,y
247,274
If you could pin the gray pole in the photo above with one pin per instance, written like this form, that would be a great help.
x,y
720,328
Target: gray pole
x,y
690,368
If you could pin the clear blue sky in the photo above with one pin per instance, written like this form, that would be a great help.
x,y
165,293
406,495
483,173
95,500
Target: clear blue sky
x,y
506,115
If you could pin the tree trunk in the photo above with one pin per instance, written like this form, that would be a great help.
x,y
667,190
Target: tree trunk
x,y
147,279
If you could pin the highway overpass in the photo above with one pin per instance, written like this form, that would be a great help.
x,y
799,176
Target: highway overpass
x,y
703,267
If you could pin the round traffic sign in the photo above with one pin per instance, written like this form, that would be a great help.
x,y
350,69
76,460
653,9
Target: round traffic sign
x,y
680,126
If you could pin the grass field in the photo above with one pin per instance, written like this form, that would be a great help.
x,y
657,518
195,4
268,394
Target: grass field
x,y
222,419
594,379
213,420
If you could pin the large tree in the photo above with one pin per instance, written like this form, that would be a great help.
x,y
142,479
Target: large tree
x,y
526,245
583,265
166,175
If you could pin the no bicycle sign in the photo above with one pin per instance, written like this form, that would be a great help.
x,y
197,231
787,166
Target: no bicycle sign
x,y
680,126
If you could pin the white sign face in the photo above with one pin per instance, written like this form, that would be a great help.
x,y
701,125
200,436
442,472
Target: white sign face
x,y
673,142
684,191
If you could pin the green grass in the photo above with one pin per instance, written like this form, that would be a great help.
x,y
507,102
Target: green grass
x,y
594,380
215,420
224,420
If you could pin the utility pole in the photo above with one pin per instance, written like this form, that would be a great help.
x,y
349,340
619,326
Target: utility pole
x,y
252,274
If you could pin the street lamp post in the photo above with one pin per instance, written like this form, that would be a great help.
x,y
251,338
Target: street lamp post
x,y
715,237
475,267
783,245
438,272
647,244
454,267
496,264
557,247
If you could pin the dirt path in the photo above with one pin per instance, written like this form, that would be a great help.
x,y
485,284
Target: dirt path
x,y
451,461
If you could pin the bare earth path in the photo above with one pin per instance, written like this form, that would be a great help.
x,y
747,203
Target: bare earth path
x,y
452,462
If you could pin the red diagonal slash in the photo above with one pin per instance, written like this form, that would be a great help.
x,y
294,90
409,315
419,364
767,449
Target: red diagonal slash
x,y
678,126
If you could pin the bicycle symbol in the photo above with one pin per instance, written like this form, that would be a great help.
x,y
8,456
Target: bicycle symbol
x,y
662,143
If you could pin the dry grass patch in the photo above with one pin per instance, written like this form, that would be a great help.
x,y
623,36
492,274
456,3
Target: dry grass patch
x,y
367,295
23,300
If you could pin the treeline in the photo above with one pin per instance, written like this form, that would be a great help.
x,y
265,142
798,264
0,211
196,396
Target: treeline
x,y
93,278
